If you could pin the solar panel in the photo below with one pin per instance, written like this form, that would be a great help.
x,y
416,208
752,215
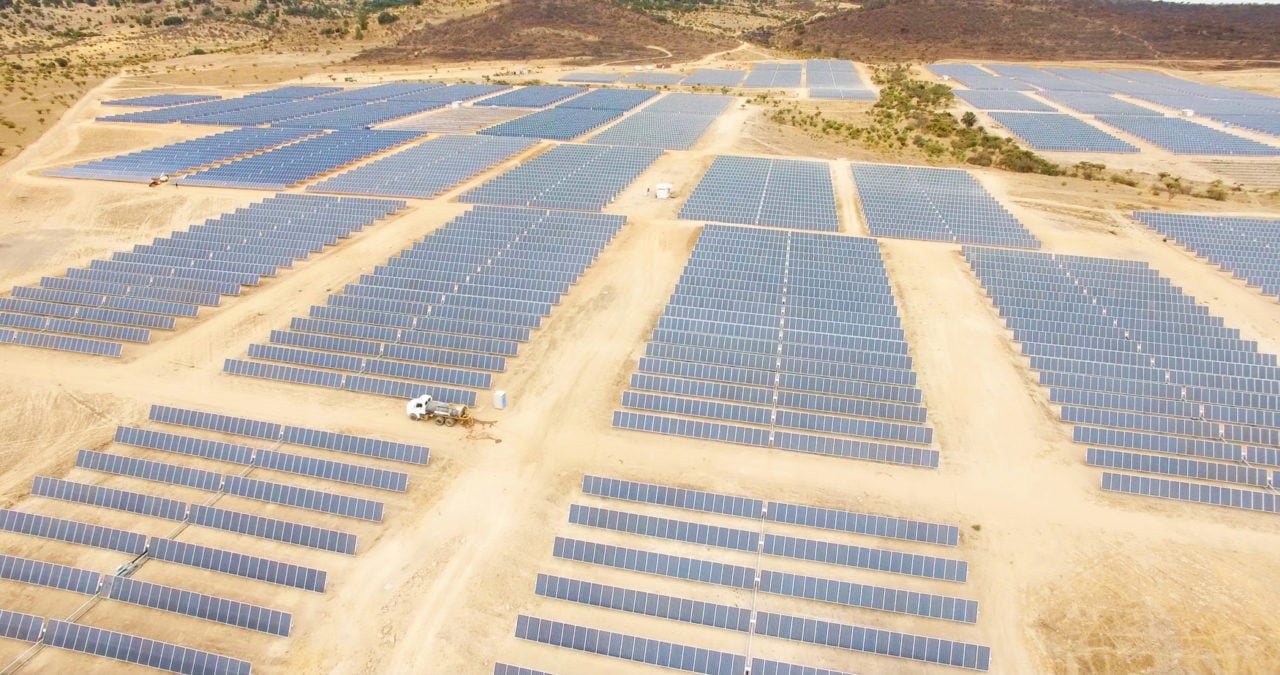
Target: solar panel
x,y
1174,466
505,669
987,99
196,419
148,470
72,531
939,205
532,97
1241,246
776,192
141,651
710,77
238,564
658,79
1060,133
161,100
395,481
875,641
303,498
177,158
1248,500
277,530
640,602
591,78
201,606
301,161
839,77
120,500
629,647
671,131
1185,137
581,177
49,575
18,626
427,169
774,75
185,445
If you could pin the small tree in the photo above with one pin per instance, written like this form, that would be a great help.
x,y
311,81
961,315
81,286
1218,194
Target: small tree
x,y
969,120
386,18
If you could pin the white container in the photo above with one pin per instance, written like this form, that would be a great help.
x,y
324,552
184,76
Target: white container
x,y
662,191
500,399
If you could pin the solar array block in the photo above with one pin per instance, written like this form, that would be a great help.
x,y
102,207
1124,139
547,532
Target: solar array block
x,y
301,161
558,123
1055,132
754,191
122,299
710,77
915,202
141,651
277,530
120,500
464,297
1139,366
568,176
161,100
532,97
72,531
775,75
21,627
629,647
427,169
1184,137
238,564
361,116
591,78
654,79
148,470
653,128
608,99
201,606
789,380
988,99
1245,247
1097,103
177,158
457,120
49,575
974,77
356,445
834,79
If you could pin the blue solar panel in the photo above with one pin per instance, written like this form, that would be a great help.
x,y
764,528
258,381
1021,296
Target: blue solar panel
x,y
710,77
591,78
580,177
72,531
361,116
292,164
629,647
138,650
833,79
1185,137
143,166
943,205
161,100
1097,103
237,564
427,169
49,575
985,99
200,606
775,75
532,97
22,627
277,530
777,192
121,500
1242,246
1060,132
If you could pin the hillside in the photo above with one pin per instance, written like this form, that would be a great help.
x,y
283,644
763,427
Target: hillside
x,y
593,30
894,30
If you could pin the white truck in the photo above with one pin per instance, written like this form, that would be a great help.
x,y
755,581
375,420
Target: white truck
x,y
445,414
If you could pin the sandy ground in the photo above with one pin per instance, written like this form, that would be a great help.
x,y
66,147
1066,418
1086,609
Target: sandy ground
x,y
1070,580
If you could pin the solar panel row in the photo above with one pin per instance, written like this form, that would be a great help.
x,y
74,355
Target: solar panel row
x,y
176,158
1242,246
568,176
756,191
427,169
301,161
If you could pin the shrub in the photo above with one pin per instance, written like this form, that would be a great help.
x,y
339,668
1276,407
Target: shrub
x,y
173,21
385,18
1121,179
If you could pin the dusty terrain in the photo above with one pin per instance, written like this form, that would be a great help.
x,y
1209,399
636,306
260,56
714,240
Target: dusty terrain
x,y
1070,580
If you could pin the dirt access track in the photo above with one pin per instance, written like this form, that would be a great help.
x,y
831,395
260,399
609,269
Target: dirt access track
x,y
1069,579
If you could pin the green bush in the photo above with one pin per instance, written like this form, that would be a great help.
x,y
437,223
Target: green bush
x,y
174,21
386,18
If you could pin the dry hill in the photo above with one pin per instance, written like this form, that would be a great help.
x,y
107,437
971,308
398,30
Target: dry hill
x,y
893,30
595,30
